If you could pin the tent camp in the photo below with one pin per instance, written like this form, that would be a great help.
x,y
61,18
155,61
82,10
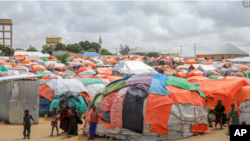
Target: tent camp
x,y
131,68
206,68
132,109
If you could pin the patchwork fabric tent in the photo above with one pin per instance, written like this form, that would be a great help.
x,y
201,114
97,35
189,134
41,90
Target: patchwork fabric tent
x,y
150,107
242,102
195,79
223,89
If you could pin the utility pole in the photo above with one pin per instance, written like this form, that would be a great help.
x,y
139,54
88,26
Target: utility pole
x,y
116,50
181,52
195,50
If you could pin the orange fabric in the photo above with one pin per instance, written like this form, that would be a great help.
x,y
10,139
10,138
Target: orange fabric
x,y
211,103
114,78
220,69
243,67
200,128
3,63
37,67
195,73
217,74
77,59
26,62
86,95
60,68
108,100
18,66
241,95
201,58
86,58
20,57
157,121
179,95
112,61
52,58
91,64
46,92
191,61
181,74
82,69
195,79
104,71
223,89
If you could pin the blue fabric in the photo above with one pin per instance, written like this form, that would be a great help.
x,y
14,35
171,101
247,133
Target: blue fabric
x,y
90,54
116,81
92,130
44,107
161,77
157,87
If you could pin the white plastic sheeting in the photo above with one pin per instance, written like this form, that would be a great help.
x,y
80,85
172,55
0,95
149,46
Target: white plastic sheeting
x,y
40,54
206,68
64,85
133,67
88,73
93,89
245,112
179,125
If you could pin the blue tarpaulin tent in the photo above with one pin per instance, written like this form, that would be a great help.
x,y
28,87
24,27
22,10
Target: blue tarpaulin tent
x,y
90,54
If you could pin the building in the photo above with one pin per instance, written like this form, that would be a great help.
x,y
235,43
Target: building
x,y
167,53
53,40
141,50
6,32
170,53
226,51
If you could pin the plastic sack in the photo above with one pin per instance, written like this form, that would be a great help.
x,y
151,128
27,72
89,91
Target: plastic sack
x,y
44,106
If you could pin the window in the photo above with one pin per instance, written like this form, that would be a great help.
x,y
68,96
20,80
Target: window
x,y
222,57
212,57
205,57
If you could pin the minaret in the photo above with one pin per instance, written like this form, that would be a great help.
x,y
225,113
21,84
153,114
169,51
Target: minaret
x,y
100,43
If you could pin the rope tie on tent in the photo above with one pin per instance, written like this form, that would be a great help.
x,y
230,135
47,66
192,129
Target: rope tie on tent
x,y
181,119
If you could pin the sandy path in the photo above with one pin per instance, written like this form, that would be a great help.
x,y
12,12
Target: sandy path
x,y
42,131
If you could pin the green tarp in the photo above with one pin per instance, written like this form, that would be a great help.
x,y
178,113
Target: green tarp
x,y
66,60
87,81
80,106
3,68
114,87
98,100
181,83
46,59
247,72
213,77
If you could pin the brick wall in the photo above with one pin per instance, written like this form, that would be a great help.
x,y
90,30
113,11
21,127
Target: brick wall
x,y
220,57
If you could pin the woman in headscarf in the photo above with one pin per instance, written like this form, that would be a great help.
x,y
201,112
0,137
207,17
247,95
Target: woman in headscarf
x,y
219,112
73,127
64,119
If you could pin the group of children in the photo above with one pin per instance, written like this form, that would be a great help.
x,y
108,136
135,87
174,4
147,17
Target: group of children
x,y
54,118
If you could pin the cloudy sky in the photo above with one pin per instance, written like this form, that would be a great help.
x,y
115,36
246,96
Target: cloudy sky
x,y
151,25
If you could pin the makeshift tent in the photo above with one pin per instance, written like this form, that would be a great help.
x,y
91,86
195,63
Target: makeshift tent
x,y
214,77
133,67
195,73
195,79
132,109
244,67
46,59
90,54
206,68
223,89
104,71
44,107
242,103
181,74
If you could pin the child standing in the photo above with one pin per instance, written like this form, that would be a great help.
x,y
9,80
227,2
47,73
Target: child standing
x,y
233,115
93,122
27,124
54,121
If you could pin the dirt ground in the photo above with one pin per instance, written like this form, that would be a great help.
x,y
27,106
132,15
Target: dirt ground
x,y
42,131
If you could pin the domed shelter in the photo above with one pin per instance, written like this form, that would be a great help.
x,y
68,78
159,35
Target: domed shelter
x,y
132,108
223,89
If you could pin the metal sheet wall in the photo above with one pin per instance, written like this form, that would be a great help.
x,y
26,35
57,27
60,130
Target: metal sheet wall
x,y
28,98
5,96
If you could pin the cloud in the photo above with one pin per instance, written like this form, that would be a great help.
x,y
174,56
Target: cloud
x,y
151,25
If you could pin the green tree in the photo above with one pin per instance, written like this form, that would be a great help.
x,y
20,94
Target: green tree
x,y
91,50
19,49
60,46
63,57
105,52
31,49
140,53
47,48
83,51
153,54
74,48
87,45
124,49
6,51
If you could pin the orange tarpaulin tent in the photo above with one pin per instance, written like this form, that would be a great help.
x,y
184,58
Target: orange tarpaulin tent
x,y
20,57
91,64
52,58
181,74
46,92
82,69
104,71
195,73
26,62
38,67
243,67
223,89
241,95
195,79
